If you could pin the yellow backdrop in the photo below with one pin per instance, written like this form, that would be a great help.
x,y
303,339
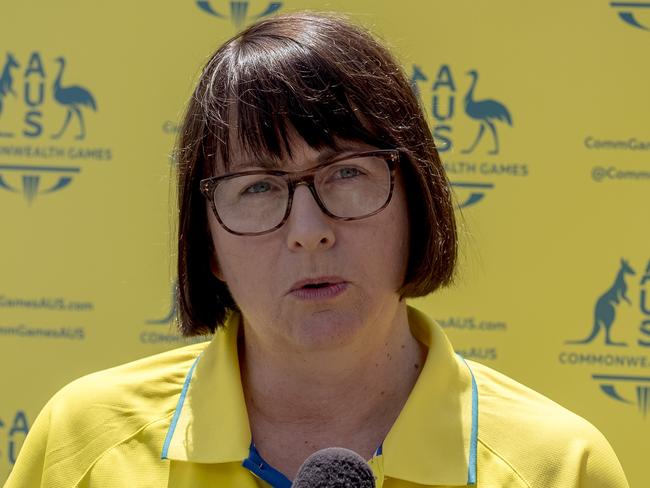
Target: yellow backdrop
x,y
542,113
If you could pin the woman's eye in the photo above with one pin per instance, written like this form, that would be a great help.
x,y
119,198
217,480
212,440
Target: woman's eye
x,y
259,187
347,172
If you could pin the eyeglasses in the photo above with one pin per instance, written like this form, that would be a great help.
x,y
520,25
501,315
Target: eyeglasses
x,y
347,187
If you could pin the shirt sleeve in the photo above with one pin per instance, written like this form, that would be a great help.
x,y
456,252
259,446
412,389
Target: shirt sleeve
x,y
601,468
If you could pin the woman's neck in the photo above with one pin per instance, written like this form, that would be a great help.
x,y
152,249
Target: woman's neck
x,y
348,396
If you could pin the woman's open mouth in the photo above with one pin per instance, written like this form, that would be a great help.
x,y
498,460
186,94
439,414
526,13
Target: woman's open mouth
x,y
318,290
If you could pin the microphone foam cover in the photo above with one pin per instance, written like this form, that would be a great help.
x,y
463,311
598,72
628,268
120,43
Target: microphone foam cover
x,y
334,467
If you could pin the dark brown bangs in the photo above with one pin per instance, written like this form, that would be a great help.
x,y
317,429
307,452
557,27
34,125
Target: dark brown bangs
x,y
268,87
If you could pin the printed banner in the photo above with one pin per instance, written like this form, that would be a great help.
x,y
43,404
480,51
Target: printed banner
x,y
540,111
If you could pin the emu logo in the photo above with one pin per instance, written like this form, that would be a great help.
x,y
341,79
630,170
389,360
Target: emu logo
x,y
605,310
627,11
169,317
73,98
239,14
487,112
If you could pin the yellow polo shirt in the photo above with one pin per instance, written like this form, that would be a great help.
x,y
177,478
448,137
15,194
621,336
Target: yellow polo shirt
x,y
178,419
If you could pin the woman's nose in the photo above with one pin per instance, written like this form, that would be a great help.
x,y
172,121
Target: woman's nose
x,y
308,228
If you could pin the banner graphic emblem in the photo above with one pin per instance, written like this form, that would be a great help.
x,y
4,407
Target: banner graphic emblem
x,y
621,299
41,109
468,125
628,12
239,11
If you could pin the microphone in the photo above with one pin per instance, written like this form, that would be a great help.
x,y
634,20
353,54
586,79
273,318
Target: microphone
x,y
334,467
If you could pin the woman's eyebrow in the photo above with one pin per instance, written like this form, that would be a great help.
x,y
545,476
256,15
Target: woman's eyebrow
x,y
272,163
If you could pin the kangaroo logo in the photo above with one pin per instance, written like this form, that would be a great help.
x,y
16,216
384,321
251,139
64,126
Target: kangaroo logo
x,y
627,11
605,310
238,11
633,388
6,84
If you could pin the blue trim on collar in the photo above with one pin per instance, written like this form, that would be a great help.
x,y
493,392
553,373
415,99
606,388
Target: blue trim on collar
x,y
471,472
264,470
177,412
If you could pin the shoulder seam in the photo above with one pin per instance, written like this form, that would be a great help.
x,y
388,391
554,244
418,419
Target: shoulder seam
x,y
122,441
514,470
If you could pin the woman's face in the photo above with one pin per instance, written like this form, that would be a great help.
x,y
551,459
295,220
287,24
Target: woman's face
x,y
359,264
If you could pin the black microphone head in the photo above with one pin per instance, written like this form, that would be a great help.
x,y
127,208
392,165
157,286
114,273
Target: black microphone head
x,y
334,467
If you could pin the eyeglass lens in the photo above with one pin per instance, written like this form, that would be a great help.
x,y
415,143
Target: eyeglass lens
x,y
351,188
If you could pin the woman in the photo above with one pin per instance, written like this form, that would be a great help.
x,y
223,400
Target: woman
x,y
312,204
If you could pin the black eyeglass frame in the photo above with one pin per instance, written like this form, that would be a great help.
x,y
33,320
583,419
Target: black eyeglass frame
x,y
305,177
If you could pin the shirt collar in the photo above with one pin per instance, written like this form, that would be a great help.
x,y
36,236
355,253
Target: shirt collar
x,y
432,442
210,424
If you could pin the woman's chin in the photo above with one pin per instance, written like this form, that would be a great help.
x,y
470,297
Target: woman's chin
x,y
326,329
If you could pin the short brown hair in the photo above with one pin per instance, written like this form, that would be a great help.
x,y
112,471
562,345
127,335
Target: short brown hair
x,y
329,80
